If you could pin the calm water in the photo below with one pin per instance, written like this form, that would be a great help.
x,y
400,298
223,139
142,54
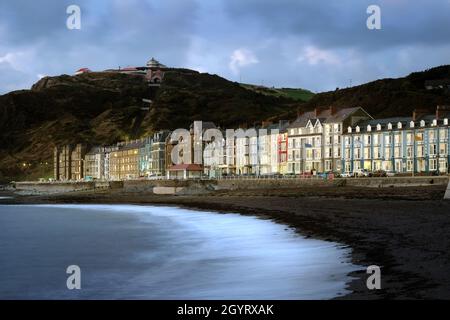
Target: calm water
x,y
146,252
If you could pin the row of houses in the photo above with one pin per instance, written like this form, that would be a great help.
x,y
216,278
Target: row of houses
x,y
345,140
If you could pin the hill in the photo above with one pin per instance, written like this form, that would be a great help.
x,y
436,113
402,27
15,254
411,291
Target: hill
x,y
387,97
300,95
105,107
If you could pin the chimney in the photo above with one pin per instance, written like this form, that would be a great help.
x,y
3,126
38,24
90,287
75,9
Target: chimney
x,y
441,110
316,112
332,110
282,123
266,123
417,113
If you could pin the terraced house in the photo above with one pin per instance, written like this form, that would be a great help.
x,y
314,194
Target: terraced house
x,y
124,162
416,144
315,139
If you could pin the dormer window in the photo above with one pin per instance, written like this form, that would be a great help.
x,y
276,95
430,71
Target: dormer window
x,y
422,123
369,128
357,128
389,126
349,129
399,125
434,123
378,127
446,122
411,124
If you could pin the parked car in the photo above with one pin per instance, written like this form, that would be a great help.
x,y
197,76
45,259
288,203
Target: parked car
x,y
362,173
390,173
346,175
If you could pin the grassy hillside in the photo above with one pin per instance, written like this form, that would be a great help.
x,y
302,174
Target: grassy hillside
x,y
300,95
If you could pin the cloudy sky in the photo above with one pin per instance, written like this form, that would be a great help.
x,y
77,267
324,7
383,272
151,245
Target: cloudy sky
x,y
314,44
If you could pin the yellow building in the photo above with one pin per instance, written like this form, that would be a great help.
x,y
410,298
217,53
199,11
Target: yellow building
x,y
124,162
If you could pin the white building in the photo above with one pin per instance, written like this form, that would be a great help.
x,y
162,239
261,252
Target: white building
x,y
315,138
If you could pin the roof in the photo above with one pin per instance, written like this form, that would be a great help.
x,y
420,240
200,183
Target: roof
x,y
324,116
129,69
84,70
135,144
187,167
428,118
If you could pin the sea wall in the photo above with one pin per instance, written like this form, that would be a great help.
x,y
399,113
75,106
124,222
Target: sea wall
x,y
191,187
36,188
237,184
396,181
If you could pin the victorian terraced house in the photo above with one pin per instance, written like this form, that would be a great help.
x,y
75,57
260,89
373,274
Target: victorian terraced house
x,y
314,139
400,145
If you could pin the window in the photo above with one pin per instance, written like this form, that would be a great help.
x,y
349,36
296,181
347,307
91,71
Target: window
x,y
378,127
433,164
399,125
409,152
433,149
409,165
419,151
387,139
387,153
411,124
376,139
443,149
409,138
376,152
369,128
443,165
443,134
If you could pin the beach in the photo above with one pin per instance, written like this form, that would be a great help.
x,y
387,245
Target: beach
x,y
404,230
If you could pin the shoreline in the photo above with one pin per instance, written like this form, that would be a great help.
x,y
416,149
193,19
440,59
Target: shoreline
x,y
407,237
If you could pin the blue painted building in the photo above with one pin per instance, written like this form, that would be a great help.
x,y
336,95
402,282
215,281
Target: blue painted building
x,y
418,144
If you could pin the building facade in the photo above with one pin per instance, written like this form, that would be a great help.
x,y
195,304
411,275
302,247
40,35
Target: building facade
x,y
68,162
315,138
417,144
124,162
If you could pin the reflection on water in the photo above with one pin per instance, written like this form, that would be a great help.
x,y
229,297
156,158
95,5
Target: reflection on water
x,y
147,252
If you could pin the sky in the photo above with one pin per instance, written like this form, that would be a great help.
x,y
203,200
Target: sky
x,y
317,45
